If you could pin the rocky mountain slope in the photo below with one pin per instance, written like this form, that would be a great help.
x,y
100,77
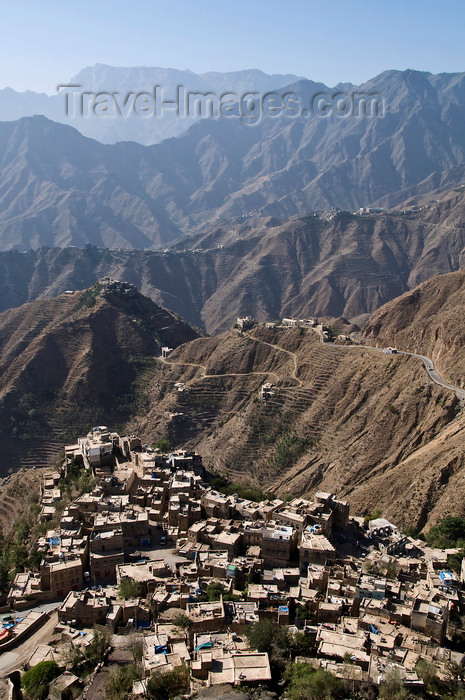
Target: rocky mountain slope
x,y
59,188
427,320
369,426
343,265
360,423
74,361
365,425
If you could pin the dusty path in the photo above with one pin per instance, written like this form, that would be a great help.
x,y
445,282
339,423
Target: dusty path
x,y
206,375
185,364
427,362
292,355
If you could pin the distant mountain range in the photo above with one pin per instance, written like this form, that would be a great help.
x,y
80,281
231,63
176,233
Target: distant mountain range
x,y
58,187
342,265
243,195
227,218
125,81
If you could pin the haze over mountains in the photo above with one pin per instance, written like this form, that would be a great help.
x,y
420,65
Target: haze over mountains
x,y
59,188
103,79
230,219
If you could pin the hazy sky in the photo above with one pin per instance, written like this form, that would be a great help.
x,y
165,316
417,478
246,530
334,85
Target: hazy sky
x,y
45,43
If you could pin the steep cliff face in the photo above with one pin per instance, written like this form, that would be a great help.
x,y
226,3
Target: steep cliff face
x,y
75,360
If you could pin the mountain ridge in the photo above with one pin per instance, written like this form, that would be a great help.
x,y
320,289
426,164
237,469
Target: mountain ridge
x,y
346,421
334,265
76,359
427,318
77,190
104,78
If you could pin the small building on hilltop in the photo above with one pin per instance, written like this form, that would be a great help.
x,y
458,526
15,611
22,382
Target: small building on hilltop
x,y
245,323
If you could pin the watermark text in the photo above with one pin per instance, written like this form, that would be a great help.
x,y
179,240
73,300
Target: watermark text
x,y
250,107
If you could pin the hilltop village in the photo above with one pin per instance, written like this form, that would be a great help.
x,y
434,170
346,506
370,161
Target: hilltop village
x,y
154,549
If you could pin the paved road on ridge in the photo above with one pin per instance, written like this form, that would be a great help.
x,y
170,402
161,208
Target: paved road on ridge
x,y
434,375
427,362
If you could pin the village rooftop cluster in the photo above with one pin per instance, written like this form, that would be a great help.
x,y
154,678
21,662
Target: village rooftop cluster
x,y
372,597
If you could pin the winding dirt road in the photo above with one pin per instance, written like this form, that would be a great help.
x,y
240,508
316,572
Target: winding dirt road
x,y
427,362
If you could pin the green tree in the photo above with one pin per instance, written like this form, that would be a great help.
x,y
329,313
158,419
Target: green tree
x,y
128,588
307,683
163,686
427,671
456,673
74,469
392,570
371,516
410,531
449,532
392,688
300,644
85,483
35,682
83,661
454,561
305,611
35,557
22,530
367,690
120,682
182,621
98,646
266,635
289,449
18,557
288,497
163,445
215,590
244,489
